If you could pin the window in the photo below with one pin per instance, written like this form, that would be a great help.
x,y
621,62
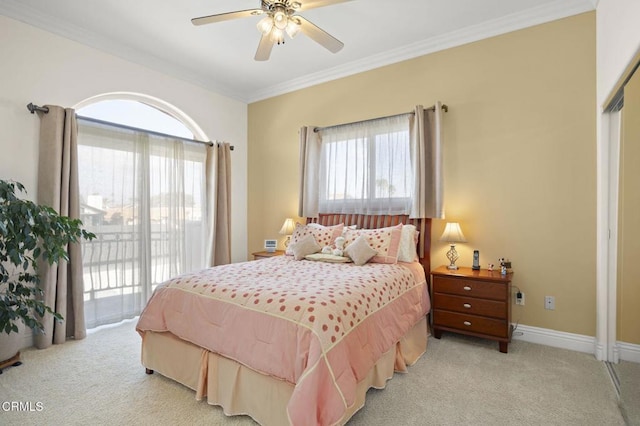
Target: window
x,y
136,114
142,194
366,168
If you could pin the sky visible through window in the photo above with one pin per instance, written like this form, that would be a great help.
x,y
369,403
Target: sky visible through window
x,y
136,114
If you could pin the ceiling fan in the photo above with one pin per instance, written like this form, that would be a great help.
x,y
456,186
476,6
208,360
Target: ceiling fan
x,y
281,18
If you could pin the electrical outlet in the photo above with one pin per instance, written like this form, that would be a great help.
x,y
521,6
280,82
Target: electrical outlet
x,y
549,302
520,298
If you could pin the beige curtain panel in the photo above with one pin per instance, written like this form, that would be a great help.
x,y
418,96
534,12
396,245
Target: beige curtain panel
x,y
425,129
58,188
218,194
310,147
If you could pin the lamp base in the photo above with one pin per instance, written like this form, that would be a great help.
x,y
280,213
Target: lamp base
x,y
452,255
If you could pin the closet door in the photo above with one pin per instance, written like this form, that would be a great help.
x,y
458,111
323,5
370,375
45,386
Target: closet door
x,y
628,268
629,217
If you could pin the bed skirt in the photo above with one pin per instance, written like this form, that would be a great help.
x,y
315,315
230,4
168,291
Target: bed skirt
x,y
241,390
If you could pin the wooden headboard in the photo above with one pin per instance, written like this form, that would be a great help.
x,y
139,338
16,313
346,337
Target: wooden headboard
x,y
381,221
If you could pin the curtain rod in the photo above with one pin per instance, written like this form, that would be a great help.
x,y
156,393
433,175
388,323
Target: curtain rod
x,y
445,108
33,108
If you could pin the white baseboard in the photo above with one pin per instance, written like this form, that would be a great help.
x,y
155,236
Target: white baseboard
x,y
557,339
628,352
575,342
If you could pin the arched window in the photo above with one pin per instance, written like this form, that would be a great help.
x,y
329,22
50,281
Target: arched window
x,y
142,193
136,114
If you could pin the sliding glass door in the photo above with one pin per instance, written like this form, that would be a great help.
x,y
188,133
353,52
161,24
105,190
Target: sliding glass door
x,y
142,195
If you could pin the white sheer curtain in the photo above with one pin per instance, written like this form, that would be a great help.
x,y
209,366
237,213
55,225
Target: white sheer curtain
x,y
143,196
386,166
366,167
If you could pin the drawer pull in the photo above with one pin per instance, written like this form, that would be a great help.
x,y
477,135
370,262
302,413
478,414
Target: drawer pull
x,y
467,323
466,288
466,305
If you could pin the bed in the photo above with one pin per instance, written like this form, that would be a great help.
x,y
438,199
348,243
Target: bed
x,y
289,341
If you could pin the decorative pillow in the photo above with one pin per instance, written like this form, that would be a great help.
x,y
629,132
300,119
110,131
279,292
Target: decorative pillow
x,y
324,235
330,258
344,229
349,227
385,241
306,245
408,241
360,251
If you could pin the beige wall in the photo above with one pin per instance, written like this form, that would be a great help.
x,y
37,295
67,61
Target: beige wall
x,y
520,171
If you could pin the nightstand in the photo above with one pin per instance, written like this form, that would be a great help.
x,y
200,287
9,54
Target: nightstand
x,y
476,303
266,254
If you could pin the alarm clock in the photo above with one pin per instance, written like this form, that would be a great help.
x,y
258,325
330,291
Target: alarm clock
x,y
270,245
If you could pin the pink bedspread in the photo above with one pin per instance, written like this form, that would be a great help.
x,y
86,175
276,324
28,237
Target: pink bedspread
x,y
320,326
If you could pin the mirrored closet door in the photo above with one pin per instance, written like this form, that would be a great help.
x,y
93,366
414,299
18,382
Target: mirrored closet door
x,y
627,371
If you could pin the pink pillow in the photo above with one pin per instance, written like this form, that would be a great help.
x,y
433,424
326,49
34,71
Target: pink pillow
x,y
385,241
324,235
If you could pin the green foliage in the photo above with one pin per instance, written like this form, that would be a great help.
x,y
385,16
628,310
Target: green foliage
x,y
28,233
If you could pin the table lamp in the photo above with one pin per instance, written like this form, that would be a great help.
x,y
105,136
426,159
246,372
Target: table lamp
x,y
287,229
452,234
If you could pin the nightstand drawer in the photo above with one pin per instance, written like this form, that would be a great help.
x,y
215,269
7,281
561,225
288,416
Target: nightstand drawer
x,y
468,305
471,323
470,288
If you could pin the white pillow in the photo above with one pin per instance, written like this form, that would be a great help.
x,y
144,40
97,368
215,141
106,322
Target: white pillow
x,y
407,251
360,251
306,245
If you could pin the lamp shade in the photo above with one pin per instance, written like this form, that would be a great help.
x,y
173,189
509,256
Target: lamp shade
x,y
453,234
265,25
288,227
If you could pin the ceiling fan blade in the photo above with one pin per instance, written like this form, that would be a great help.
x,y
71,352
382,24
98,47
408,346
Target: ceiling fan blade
x,y
264,48
225,16
312,4
319,35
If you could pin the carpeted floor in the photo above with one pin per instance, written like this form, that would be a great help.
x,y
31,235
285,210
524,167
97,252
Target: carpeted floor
x,y
628,375
459,381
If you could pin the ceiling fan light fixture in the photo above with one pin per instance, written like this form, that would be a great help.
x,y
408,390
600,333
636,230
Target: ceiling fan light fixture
x,y
265,25
280,19
293,28
277,35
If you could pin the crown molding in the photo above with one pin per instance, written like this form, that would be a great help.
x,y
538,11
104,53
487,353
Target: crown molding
x,y
534,16
34,17
537,15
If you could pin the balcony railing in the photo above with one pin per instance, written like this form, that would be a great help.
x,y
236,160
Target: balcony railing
x,y
118,263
